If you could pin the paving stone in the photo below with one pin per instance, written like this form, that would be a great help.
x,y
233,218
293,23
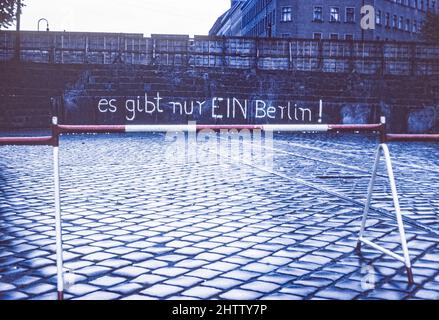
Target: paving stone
x,y
204,273
38,262
99,295
296,272
276,278
315,259
260,286
254,254
313,282
336,293
298,290
201,292
184,281
125,289
209,256
434,285
386,294
25,280
152,264
259,267
85,249
93,271
172,257
130,271
280,296
277,261
161,290
139,297
99,256
137,256
241,275
50,296
190,251
239,294
74,265
191,263
221,266
81,289
427,294
6,287
13,295
107,281
114,263
148,279
353,285
39,288
222,283
170,272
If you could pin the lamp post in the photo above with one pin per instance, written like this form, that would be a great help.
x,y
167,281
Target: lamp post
x,y
17,36
47,24
362,30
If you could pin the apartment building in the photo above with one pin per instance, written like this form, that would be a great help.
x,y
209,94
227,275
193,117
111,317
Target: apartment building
x,y
399,20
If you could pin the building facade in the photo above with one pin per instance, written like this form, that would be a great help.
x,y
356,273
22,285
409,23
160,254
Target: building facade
x,y
334,19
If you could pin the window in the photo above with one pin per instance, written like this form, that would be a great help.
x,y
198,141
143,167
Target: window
x,y
415,27
350,15
407,25
349,37
318,14
286,35
287,14
395,21
334,14
317,35
401,23
333,36
378,17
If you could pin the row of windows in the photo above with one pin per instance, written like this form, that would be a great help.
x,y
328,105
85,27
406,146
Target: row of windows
x,y
332,36
334,14
397,22
394,21
254,11
319,36
264,26
422,5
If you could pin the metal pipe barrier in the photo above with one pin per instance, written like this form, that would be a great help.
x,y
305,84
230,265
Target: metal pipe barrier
x,y
58,130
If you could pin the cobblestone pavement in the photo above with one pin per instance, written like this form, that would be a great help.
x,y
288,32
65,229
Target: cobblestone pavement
x,y
140,224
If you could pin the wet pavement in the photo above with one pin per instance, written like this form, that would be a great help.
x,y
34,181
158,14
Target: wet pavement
x,y
142,222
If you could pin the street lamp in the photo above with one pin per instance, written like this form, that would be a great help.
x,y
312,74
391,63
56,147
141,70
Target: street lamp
x,y
47,24
17,37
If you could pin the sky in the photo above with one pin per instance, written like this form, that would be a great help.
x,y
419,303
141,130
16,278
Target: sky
x,y
192,17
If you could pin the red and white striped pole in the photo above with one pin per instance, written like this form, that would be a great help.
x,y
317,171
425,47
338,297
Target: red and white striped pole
x,y
413,137
26,141
188,127
58,220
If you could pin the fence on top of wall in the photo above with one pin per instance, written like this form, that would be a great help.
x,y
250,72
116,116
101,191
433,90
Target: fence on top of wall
x,y
365,57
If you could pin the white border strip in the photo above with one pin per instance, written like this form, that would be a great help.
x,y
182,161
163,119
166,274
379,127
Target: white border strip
x,y
193,127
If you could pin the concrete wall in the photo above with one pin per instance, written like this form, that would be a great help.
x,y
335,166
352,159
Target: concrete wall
x,y
127,78
132,94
